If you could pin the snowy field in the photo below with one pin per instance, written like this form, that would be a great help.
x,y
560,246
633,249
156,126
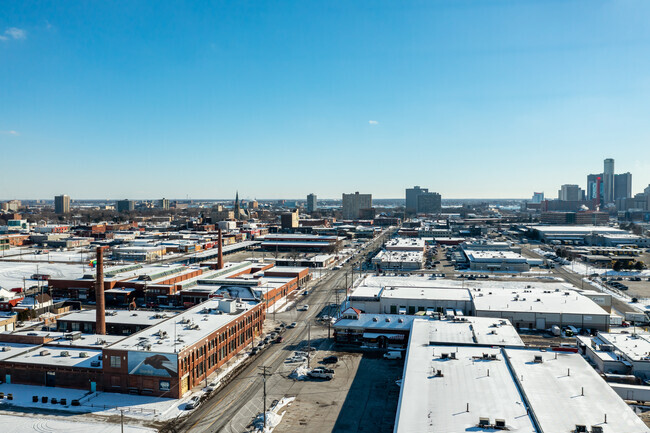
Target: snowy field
x,y
98,403
13,273
44,424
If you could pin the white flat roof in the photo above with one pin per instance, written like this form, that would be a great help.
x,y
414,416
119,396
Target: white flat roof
x,y
578,229
554,391
537,300
56,357
439,404
472,330
494,256
146,318
185,329
635,346
7,350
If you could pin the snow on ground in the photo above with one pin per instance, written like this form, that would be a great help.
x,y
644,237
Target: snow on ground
x,y
13,273
300,373
45,424
98,403
273,416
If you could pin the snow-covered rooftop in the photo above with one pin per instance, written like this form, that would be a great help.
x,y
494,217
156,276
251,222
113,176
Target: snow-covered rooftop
x,y
144,318
64,357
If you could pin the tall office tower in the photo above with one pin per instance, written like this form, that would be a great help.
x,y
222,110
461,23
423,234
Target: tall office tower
x,y
353,203
538,197
570,193
608,181
163,203
592,184
62,204
429,202
311,203
125,205
622,185
412,198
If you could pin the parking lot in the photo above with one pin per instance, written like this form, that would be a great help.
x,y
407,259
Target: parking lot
x,y
362,397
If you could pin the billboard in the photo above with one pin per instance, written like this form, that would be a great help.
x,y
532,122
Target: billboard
x,y
153,364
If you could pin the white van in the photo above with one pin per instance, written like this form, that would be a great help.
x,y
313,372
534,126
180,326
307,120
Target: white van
x,y
393,355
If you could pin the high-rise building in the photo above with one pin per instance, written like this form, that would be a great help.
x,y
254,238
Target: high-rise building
x,y
353,203
608,181
289,220
592,184
538,197
412,198
62,204
125,205
622,186
570,193
163,203
429,202
312,204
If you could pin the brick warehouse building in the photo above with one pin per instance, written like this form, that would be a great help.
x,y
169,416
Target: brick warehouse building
x,y
166,359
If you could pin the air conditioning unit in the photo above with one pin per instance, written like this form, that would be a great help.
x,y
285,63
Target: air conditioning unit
x,y
444,356
83,355
483,421
500,424
452,355
538,359
95,364
44,352
6,348
581,428
596,429
65,353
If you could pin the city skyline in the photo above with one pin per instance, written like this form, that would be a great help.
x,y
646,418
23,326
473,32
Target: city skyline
x,y
496,100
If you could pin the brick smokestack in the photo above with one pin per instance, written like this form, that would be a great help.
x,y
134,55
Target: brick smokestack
x,y
100,318
220,257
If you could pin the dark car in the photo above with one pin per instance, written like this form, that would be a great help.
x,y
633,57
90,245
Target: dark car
x,y
280,339
331,360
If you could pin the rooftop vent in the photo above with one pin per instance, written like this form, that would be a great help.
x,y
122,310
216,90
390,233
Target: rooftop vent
x,y
65,353
95,364
44,352
538,359
83,355
375,319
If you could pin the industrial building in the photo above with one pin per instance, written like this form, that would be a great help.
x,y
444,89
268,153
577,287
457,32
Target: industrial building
x,y
615,353
455,387
525,304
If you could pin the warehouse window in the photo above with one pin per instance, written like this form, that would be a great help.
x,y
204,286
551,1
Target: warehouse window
x,y
116,362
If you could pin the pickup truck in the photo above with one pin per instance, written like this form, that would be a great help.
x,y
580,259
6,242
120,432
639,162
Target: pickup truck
x,y
322,373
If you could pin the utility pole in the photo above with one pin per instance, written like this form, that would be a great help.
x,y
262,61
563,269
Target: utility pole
x,y
122,419
265,374
308,343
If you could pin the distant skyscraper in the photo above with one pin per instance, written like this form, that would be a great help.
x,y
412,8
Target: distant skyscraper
x,y
62,204
592,183
412,198
163,204
538,197
312,204
353,203
125,205
622,186
570,193
429,202
608,180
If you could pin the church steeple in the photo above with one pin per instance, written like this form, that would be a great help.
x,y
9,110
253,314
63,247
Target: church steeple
x,y
237,205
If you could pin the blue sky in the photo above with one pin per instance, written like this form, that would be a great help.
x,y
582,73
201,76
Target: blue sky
x,y
472,99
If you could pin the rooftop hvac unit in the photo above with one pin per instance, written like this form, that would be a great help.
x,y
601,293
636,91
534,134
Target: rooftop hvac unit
x,y
596,429
83,355
387,319
581,428
493,356
538,359
65,353
483,421
44,352
6,348
375,319
500,424
95,364
439,373
100,342
452,355
400,320
444,356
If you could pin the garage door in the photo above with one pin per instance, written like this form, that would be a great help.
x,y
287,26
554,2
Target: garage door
x,y
540,323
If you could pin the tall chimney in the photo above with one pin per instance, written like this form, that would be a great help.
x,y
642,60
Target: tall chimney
x,y
100,318
220,258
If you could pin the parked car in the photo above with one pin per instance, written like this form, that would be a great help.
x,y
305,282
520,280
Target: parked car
x,y
322,373
393,355
292,325
304,308
280,339
193,403
213,385
330,360
296,358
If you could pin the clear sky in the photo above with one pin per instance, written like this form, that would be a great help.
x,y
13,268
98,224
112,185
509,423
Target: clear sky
x,y
480,98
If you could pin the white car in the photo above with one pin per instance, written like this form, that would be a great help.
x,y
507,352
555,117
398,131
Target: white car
x,y
304,308
296,358
292,325
212,386
193,403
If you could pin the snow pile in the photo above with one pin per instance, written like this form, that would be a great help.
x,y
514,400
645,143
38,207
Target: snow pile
x,y
273,417
299,373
